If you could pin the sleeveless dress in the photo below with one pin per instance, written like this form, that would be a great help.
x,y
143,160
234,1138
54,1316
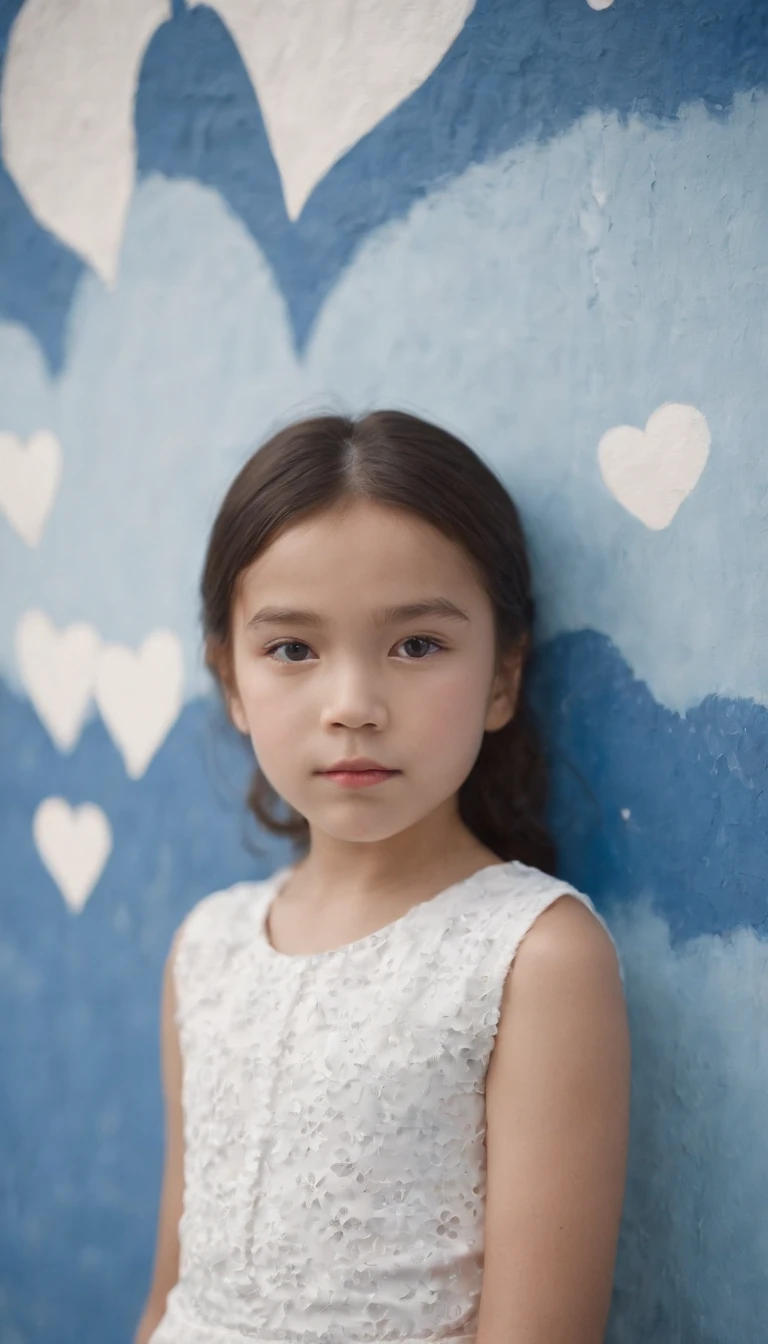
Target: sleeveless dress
x,y
334,1116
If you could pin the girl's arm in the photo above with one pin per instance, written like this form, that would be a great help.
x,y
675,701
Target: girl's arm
x,y
557,1114
166,1267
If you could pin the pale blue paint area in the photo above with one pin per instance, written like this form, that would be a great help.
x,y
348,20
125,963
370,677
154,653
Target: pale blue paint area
x,y
167,382
26,396
561,319
511,306
694,1238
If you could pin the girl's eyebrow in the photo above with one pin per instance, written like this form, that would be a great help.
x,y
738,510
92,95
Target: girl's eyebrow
x,y
431,606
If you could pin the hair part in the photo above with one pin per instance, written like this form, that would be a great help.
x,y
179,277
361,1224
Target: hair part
x,y
328,462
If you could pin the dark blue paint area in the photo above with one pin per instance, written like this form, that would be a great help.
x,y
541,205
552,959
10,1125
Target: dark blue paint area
x,y
81,1120
38,274
81,1115
8,11
695,785
517,71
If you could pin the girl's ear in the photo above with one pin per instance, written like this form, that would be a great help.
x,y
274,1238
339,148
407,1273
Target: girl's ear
x,y
236,713
506,690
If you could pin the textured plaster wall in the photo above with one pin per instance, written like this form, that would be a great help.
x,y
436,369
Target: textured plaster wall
x,y
541,222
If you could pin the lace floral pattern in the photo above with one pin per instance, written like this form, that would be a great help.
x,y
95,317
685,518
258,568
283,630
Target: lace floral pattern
x,y
334,1117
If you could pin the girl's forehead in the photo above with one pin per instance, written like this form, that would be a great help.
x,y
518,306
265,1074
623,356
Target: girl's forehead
x,y
380,540
377,555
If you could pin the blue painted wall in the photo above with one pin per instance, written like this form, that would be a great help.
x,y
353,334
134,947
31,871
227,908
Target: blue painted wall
x,y
562,229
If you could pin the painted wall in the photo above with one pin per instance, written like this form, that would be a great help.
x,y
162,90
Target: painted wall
x,y
543,223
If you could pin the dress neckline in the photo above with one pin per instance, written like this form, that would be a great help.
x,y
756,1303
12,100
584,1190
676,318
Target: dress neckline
x,y
277,881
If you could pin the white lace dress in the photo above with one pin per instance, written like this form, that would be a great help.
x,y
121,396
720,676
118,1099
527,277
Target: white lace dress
x,y
334,1116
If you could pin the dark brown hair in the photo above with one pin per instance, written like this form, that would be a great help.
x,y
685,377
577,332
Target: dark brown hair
x,y
399,460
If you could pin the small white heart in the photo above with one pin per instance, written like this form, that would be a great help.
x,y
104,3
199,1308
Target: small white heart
x,y
140,695
651,472
74,844
58,670
29,478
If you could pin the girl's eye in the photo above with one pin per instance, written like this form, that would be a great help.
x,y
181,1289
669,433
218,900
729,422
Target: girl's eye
x,y
286,644
421,639
298,644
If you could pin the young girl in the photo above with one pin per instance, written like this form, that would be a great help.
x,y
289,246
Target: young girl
x,y
397,1071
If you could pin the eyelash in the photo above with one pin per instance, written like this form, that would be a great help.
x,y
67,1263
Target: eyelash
x,y
299,643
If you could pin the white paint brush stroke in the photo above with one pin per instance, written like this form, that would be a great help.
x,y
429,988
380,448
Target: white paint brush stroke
x,y
58,670
30,474
74,844
651,472
66,112
140,696
326,74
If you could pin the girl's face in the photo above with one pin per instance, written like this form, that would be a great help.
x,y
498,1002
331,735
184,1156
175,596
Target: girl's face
x,y
415,692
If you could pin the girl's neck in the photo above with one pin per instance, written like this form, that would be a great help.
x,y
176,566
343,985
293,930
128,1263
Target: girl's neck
x,y
319,884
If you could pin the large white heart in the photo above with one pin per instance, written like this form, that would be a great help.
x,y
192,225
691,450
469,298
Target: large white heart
x,y
74,844
58,670
140,695
29,478
325,74
651,472
66,115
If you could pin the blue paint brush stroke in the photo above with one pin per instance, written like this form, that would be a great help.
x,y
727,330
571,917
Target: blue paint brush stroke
x,y
695,786
517,71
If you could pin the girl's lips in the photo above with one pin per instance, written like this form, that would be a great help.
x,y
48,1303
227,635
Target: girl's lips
x,y
358,778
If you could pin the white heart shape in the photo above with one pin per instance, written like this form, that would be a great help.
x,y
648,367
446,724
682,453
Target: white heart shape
x,y
140,695
29,478
325,74
66,113
58,670
651,472
74,844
